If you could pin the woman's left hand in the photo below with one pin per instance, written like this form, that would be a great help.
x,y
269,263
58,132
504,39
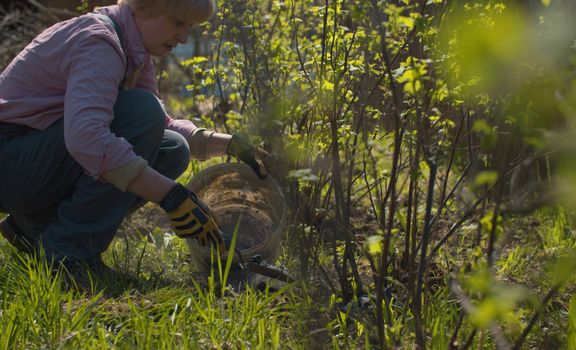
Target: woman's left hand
x,y
240,148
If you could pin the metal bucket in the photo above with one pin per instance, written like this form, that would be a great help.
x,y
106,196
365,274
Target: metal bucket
x,y
237,196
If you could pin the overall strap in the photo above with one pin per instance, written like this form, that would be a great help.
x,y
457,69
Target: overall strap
x,y
116,26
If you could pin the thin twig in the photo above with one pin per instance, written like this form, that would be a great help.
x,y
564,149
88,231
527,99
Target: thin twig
x,y
551,293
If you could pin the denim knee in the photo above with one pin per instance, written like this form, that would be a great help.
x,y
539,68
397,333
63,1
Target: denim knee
x,y
140,118
174,155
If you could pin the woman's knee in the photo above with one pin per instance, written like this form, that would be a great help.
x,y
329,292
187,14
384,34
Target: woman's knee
x,y
139,117
173,156
138,108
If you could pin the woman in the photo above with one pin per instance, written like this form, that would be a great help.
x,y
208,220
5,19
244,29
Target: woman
x,y
84,138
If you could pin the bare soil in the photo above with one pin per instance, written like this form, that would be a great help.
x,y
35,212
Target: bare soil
x,y
236,200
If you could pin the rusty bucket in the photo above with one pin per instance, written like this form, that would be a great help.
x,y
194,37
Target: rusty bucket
x,y
237,197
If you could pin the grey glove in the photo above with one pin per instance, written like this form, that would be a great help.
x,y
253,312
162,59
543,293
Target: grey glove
x,y
240,148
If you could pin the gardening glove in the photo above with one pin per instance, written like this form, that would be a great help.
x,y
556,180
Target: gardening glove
x,y
190,217
240,148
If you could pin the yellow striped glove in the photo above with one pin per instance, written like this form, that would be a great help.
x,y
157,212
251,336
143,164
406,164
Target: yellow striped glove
x,y
190,217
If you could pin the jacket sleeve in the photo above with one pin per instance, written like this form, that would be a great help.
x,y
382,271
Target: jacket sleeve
x,y
203,143
95,68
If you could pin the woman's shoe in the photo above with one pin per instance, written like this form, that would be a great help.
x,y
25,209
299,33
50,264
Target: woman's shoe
x,y
14,235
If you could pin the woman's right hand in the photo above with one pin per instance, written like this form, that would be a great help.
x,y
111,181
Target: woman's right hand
x,y
190,217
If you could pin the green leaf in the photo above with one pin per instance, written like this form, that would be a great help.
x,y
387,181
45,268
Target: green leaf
x,y
411,81
374,244
193,60
482,125
328,86
563,269
487,178
408,22
208,81
546,2
498,305
485,313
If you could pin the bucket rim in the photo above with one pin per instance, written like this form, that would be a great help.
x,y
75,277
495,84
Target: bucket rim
x,y
216,170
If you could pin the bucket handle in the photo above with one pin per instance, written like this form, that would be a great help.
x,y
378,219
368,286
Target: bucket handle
x,y
259,266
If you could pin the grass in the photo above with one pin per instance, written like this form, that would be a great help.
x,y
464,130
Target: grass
x,y
40,309
157,300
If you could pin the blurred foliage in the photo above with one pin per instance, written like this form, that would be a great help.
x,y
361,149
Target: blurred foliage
x,y
361,104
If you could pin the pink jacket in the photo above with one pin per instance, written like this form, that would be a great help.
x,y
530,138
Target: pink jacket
x,y
73,70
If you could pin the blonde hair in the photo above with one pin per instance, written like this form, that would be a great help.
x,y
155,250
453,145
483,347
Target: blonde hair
x,y
197,10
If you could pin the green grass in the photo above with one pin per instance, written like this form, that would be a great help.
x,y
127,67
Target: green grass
x,y
157,300
40,309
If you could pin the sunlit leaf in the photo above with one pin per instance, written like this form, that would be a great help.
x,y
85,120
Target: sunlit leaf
x,y
328,86
487,178
485,313
374,244
193,60
563,269
406,21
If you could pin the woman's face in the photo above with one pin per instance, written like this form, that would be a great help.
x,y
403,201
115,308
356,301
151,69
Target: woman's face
x,y
162,33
